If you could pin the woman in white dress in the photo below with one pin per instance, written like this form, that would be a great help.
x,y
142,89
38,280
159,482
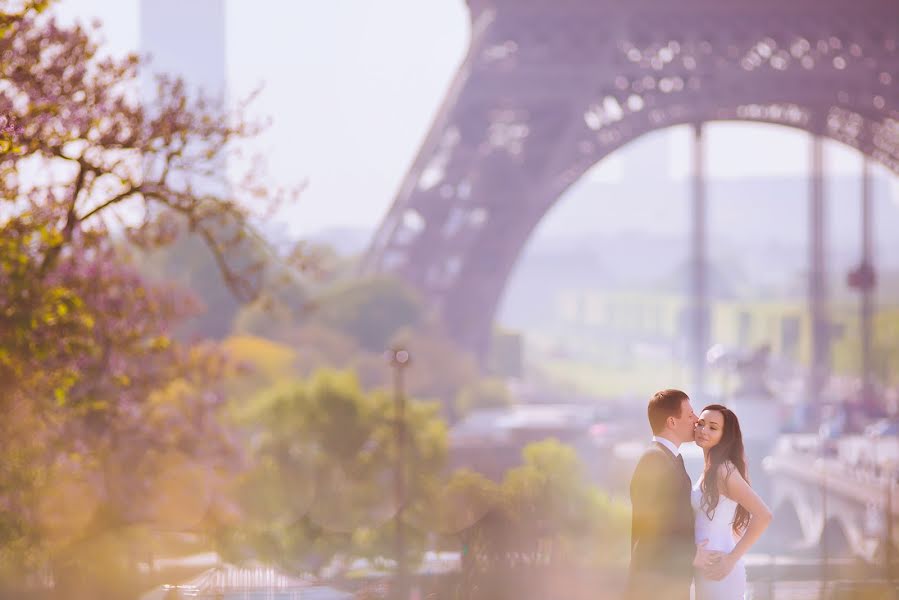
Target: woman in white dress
x,y
730,516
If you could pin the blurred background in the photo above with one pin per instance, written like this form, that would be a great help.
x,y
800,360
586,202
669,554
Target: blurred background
x,y
367,299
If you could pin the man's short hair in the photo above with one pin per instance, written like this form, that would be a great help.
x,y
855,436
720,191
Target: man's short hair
x,y
664,404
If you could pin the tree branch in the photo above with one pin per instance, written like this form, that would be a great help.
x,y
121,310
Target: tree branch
x,y
71,220
135,189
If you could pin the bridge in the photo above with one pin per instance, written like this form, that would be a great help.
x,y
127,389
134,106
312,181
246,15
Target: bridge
x,y
551,87
838,495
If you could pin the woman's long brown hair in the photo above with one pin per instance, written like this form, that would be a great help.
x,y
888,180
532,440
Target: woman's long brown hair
x,y
728,452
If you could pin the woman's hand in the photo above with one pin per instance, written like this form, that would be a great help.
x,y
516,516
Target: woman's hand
x,y
704,557
720,568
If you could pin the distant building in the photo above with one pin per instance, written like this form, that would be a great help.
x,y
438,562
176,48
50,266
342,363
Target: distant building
x,y
629,318
507,354
186,39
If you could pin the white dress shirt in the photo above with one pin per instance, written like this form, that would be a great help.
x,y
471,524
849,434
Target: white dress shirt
x,y
668,444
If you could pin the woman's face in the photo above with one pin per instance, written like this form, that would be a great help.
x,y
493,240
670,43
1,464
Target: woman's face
x,y
709,429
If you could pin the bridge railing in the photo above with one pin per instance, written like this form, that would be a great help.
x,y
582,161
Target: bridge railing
x,y
857,467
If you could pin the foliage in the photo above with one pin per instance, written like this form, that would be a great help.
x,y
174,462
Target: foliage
x,y
104,414
111,428
266,361
485,393
324,457
278,313
543,517
437,372
439,367
319,346
189,263
109,156
10,17
370,311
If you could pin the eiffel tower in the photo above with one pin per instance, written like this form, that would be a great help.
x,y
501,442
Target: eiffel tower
x,y
550,87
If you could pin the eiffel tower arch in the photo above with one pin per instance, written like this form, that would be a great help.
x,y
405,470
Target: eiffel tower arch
x,y
550,87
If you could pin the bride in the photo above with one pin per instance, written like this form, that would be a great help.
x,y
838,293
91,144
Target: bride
x,y
729,514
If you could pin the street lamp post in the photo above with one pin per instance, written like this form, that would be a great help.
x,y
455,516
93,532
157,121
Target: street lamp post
x,y
399,360
864,279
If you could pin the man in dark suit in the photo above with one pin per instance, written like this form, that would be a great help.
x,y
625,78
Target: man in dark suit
x,y
663,548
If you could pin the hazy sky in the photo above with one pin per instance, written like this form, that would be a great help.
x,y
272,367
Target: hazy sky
x,y
352,86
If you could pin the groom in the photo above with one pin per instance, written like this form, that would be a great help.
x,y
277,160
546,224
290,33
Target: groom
x,y
663,548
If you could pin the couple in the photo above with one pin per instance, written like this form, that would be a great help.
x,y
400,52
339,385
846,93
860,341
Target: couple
x,y
682,532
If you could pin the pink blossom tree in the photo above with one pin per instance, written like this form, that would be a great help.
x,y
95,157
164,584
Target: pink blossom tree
x,y
110,428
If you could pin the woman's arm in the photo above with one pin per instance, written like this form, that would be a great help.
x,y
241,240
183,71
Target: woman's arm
x,y
736,488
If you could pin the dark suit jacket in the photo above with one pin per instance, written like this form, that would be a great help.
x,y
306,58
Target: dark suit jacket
x,y
662,542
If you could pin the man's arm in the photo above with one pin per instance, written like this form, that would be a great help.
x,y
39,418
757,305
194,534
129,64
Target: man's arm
x,y
648,500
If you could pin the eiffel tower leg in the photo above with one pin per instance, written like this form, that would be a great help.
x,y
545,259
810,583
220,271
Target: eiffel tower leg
x,y
547,89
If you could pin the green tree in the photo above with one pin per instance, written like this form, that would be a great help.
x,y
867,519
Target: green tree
x,y
324,459
545,520
189,263
439,367
371,311
549,499
280,311
484,393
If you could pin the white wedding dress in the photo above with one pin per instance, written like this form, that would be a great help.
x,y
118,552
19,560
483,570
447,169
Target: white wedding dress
x,y
719,532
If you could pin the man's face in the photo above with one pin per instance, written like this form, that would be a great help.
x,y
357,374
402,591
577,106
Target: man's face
x,y
684,426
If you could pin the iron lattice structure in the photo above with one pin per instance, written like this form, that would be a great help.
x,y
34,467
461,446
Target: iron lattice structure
x,y
550,87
